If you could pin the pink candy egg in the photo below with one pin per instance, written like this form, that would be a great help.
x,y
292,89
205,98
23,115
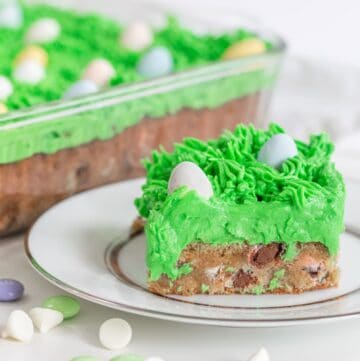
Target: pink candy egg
x,y
99,71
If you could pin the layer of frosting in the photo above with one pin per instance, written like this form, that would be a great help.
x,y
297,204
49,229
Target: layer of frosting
x,y
85,37
303,201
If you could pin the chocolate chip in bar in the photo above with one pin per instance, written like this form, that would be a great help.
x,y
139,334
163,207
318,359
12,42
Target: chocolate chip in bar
x,y
266,254
243,279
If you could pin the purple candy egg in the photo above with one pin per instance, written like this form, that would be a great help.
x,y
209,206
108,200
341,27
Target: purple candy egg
x,y
10,290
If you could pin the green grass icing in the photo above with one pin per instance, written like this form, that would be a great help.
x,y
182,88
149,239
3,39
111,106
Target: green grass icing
x,y
85,37
302,202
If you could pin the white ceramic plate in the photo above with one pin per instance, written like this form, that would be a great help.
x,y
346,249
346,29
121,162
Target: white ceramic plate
x,y
82,246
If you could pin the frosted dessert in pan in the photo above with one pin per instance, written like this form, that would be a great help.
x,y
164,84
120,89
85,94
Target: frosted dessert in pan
x,y
251,212
84,98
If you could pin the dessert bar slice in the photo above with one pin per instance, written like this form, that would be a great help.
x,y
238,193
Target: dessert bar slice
x,y
251,212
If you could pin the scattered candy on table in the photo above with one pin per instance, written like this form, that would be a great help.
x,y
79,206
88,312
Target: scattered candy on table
x,y
137,36
44,319
19,327
127,357
192,176
32,52
81,88
10,290
247,47
29,72
261,355
156,62
67,305
100,72
278,149
115,333
3,109
11,15
6,88
43,31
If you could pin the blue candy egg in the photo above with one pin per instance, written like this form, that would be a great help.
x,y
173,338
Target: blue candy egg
x,y
278,149
81,88
156,62
10,290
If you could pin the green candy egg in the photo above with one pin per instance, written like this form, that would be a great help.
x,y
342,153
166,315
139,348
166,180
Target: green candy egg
x,y
68,306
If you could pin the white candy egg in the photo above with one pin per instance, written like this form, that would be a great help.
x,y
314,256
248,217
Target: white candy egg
x,y
6,88
192,176
43,31
19,327
45,319
137,36
11,15
99,71
278,149
81,88
29,71
261,355
115,333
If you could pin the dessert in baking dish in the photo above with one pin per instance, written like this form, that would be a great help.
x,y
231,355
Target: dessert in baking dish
x,y
251,212
83,99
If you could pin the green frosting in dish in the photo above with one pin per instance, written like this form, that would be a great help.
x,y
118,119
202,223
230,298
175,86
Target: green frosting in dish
x,y
303,201
85,37
51,127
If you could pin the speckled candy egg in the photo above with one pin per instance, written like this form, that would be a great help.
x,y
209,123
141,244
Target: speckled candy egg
x,y
10,290
156,62
278,149
81,88
32,52
11,15
137,36
6,88
243,48
99,71
43,31
29,72
192,176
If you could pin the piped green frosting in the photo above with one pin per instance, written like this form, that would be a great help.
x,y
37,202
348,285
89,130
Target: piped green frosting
x,y
85,37
49,128
302,202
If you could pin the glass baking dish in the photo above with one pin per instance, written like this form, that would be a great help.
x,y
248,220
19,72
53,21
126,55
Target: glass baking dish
x,y
51,151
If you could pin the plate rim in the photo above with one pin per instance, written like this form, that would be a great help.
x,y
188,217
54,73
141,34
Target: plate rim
x,y
170,316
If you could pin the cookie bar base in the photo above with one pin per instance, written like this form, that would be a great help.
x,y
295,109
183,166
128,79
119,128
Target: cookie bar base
x,y
30,186
244,269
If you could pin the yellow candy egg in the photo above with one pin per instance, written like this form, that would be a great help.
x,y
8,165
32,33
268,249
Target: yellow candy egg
x,y
32,52
247,47
3,109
